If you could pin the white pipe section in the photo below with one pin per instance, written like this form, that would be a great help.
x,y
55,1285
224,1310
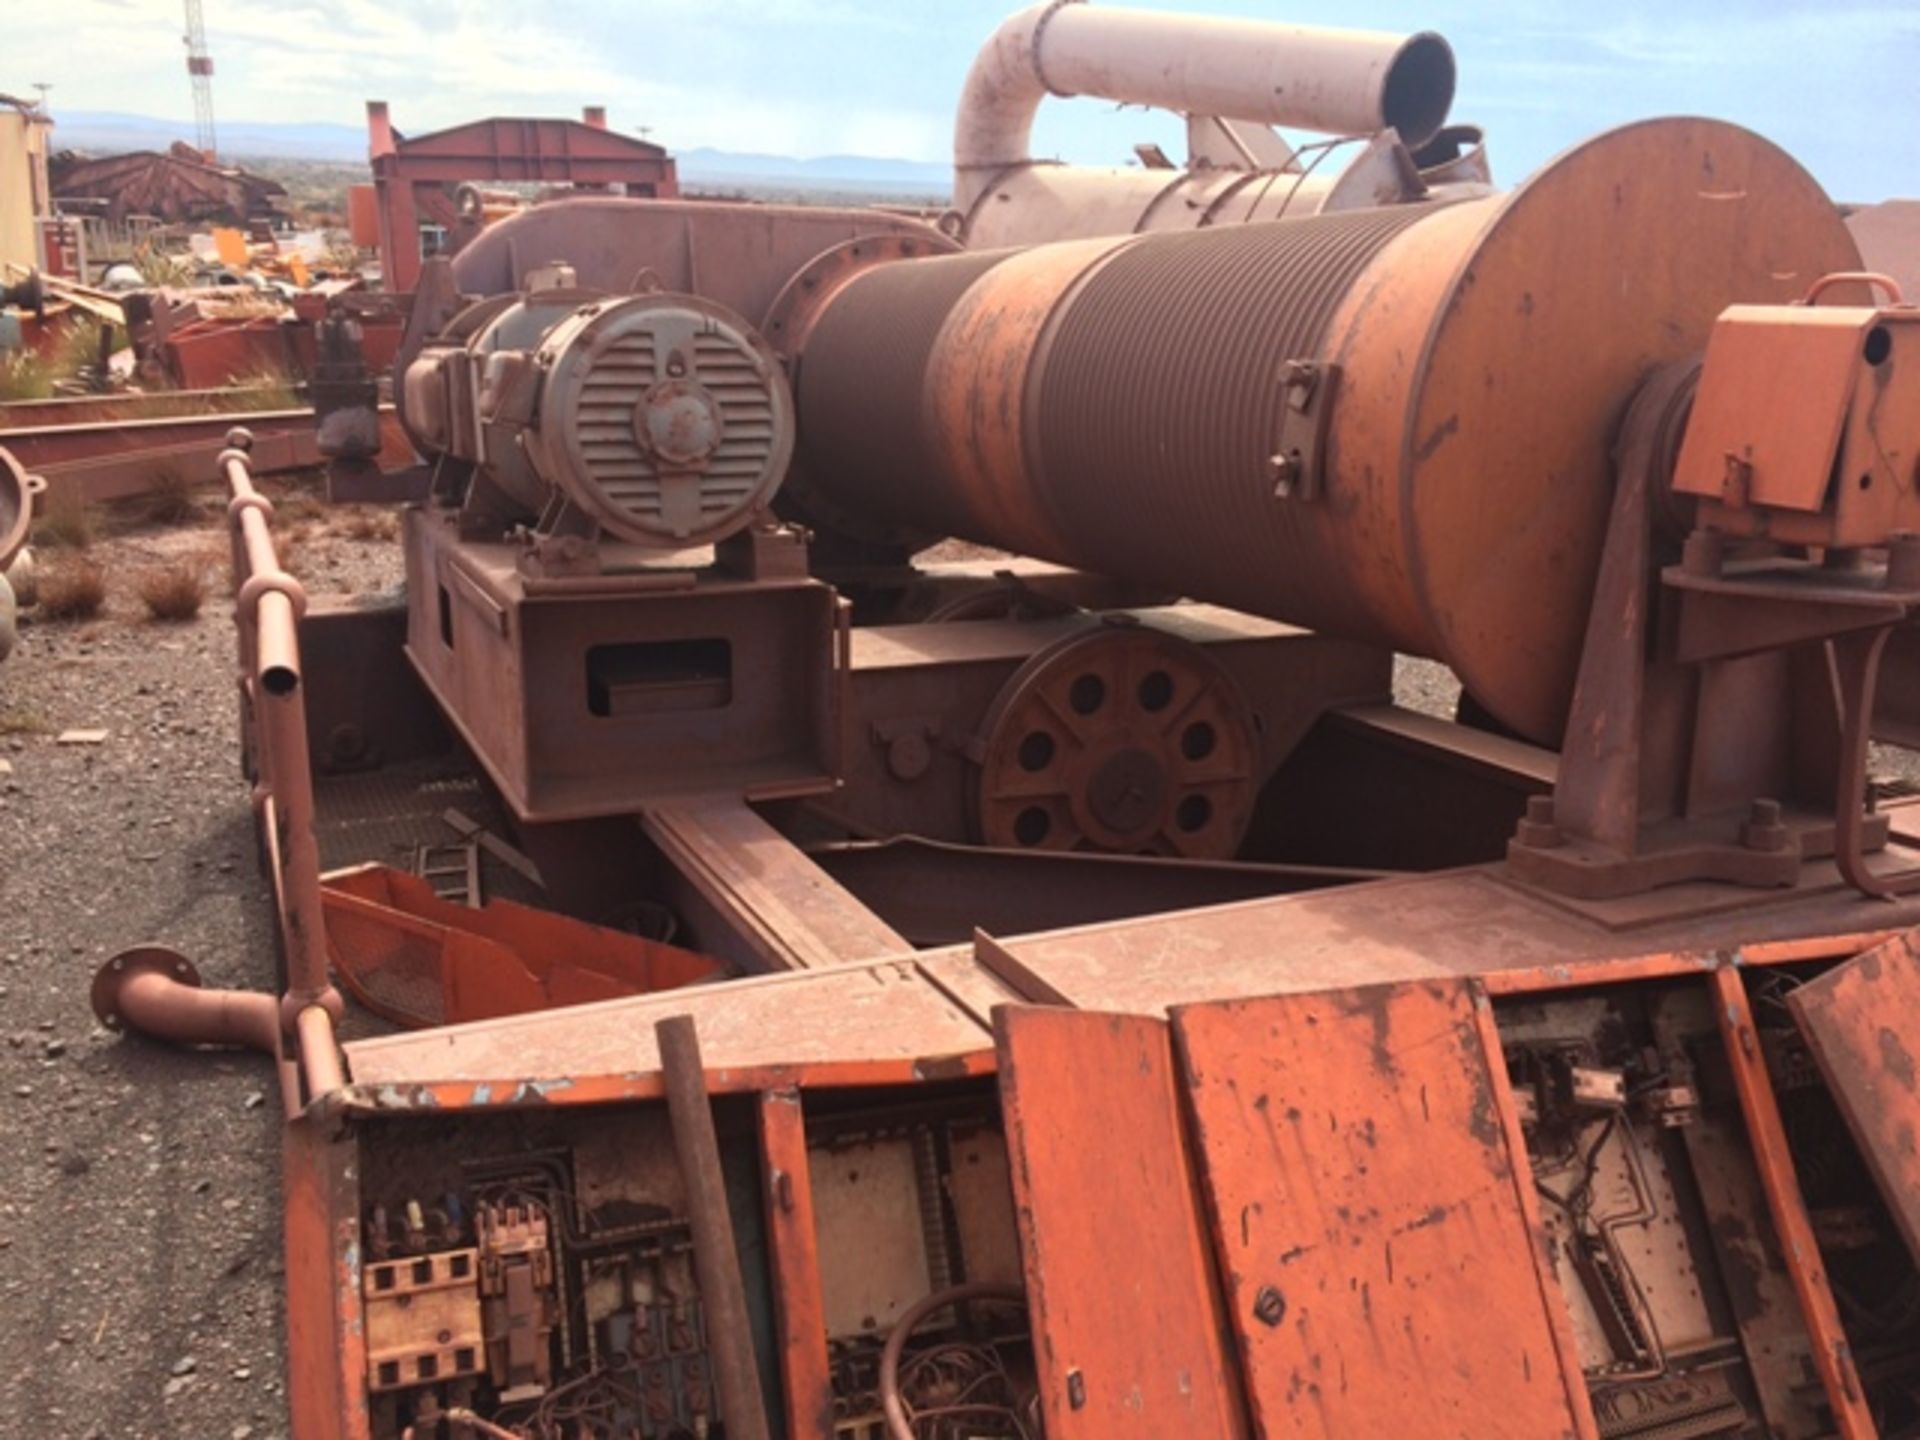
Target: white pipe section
x,y
1339,82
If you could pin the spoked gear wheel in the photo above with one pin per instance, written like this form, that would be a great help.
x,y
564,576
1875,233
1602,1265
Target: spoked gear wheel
x,y
1121,739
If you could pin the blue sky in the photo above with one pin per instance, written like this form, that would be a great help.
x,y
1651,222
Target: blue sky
x,y
1837,84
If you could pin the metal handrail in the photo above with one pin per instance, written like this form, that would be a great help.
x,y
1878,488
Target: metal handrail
x,y
166,1001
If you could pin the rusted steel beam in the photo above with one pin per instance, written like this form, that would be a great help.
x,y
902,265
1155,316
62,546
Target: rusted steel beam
x,y
41,446
121,407
116,460
723,1292
938,894
755,897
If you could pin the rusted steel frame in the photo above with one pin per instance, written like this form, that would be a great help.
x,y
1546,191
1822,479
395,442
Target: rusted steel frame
x,y
716,1258
1819,947
43,446
1668,965
1773,1158
935,892
1559,1319
520,1091
217,403
326,1334
799,1302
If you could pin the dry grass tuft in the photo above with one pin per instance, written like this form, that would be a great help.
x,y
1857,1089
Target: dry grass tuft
x,y
170,497
72,588
297,507
266,387
174,592
24,376
368,525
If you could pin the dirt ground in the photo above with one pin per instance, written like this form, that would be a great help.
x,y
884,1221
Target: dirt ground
x,y
139,1187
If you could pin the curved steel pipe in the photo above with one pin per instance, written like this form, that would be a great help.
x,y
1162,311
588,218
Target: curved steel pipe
x,y
158,993
1310,77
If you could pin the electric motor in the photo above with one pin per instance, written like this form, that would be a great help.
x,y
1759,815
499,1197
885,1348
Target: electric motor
x,y
662,419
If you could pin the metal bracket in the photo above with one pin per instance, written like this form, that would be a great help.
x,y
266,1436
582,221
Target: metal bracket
x,y
1297,461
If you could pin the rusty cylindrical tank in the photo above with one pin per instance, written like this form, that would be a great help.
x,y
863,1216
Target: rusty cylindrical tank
x,y
1390,425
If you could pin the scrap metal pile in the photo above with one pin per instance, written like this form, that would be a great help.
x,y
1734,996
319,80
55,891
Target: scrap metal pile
x,y
860,993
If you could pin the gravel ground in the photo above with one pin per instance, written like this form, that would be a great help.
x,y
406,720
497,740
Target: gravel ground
x,y
139,1186
1426,686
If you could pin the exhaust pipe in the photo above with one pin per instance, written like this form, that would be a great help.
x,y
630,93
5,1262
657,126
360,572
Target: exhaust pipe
x,y
1337,82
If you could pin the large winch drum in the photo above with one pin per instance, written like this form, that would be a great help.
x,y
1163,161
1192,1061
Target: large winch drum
x,y
1390,425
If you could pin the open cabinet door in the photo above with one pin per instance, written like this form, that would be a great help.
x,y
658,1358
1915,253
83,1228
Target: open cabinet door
x,y
1385,1274
1862,1022
1129,1337
1298,1216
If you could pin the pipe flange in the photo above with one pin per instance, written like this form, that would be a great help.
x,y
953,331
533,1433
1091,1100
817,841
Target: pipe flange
x,y
1035,41
111,978
808,289
280,583
786,325
240,504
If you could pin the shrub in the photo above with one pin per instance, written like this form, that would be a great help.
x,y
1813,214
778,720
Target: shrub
x,y
170,497
72,588
173,592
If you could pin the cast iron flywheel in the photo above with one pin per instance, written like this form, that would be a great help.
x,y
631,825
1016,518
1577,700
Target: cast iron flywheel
x,y
1122,739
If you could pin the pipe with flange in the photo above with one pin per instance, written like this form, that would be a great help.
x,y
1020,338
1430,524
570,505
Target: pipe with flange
x,y
1391,425
156,992
1340,82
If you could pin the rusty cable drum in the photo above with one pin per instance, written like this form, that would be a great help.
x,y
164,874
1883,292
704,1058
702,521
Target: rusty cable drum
x,y
1443,383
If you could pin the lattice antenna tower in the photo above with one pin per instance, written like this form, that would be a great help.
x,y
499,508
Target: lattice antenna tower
x,y
200,67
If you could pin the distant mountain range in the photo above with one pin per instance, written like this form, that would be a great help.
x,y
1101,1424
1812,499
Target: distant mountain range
x,y
108,132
